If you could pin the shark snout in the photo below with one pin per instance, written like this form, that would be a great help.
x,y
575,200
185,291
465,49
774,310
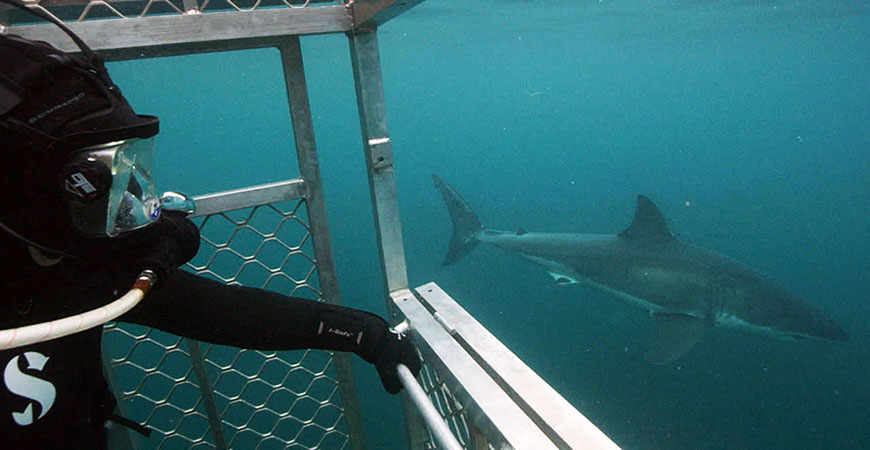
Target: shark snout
x,y
817,327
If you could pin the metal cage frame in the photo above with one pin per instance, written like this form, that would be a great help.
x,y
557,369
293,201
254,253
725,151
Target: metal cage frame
x,y
488,397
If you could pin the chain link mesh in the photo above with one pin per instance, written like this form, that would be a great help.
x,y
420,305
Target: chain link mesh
x,y
80,10
266,400
447,404
451,409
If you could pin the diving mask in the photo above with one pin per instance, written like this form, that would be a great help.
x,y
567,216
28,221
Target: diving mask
x,y
110,190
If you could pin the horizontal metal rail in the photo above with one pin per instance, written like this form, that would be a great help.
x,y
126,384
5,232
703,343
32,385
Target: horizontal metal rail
x,y
144,33
216,31
491,409
247,197
557,421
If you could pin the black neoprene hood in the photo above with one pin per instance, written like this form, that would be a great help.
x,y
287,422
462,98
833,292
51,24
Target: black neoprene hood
x,y
54,101
52,104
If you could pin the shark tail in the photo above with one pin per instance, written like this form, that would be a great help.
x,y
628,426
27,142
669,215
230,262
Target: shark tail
x,y
465,223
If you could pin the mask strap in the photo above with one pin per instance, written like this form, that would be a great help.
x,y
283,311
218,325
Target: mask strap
x,y
95,59
42,15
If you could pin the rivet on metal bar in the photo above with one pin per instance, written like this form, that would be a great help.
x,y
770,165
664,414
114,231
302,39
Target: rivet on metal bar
x,y
382,156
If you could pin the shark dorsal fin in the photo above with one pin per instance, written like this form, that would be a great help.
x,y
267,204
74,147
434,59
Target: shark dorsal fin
x,y
521,231
649,224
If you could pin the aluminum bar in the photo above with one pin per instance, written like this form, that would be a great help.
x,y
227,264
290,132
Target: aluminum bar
x,y
366,65
558,419
369,85
309,169
263,194
140,34
433,419
209,31
369,14
206,389
488,406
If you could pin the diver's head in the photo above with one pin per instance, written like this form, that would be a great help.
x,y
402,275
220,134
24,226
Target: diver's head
x,y
76,158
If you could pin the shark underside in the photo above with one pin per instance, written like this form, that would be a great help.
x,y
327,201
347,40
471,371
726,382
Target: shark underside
x,y
686,288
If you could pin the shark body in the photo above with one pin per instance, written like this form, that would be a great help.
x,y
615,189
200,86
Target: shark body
x,y
686,288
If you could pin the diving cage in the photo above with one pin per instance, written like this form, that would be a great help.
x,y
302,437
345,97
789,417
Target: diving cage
x,y
198,395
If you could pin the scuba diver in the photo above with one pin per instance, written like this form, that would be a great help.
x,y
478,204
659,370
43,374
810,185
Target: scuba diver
x,y
80,221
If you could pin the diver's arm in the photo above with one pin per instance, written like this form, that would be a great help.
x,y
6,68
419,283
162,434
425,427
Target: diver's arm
x,y
206,310
202,309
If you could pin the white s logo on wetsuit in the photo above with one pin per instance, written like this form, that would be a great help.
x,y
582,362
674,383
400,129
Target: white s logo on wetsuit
x,y
30,387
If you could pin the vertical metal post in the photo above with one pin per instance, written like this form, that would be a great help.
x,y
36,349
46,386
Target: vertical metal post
x,y
205,388
309,171
366,64
110,377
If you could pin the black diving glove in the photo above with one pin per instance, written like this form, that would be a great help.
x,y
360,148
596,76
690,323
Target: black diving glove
x,y
161,247
370,337
396,349
168,244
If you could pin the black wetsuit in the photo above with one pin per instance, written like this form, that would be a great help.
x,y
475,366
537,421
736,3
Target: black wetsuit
x,y
53,394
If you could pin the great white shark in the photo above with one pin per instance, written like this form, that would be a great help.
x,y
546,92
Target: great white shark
x,y
685,288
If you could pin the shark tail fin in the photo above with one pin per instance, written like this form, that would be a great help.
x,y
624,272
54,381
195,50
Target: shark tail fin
x,y
465,223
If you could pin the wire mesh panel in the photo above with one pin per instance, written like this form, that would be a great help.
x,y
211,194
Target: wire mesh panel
x,y
447,404
264,400
266,246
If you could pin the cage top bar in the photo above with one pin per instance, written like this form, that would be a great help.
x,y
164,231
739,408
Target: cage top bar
x,y
132,29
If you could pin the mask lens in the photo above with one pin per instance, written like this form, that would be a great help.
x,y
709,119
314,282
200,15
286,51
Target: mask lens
x,y
131,202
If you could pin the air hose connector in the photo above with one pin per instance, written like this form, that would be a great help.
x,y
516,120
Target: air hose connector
x,y
145,281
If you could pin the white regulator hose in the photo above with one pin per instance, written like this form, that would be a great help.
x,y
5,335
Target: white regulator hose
x,y
40,332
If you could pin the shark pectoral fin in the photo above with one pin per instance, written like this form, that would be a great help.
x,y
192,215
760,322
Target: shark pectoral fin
x,y
562,279
677,334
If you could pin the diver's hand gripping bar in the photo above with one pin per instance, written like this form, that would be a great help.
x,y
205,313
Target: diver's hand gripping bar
x,y
40,332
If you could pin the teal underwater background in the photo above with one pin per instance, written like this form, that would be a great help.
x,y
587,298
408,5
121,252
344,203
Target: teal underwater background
x,y
745,121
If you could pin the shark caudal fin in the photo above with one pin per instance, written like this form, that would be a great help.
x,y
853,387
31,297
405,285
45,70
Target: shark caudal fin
x,y
465,223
